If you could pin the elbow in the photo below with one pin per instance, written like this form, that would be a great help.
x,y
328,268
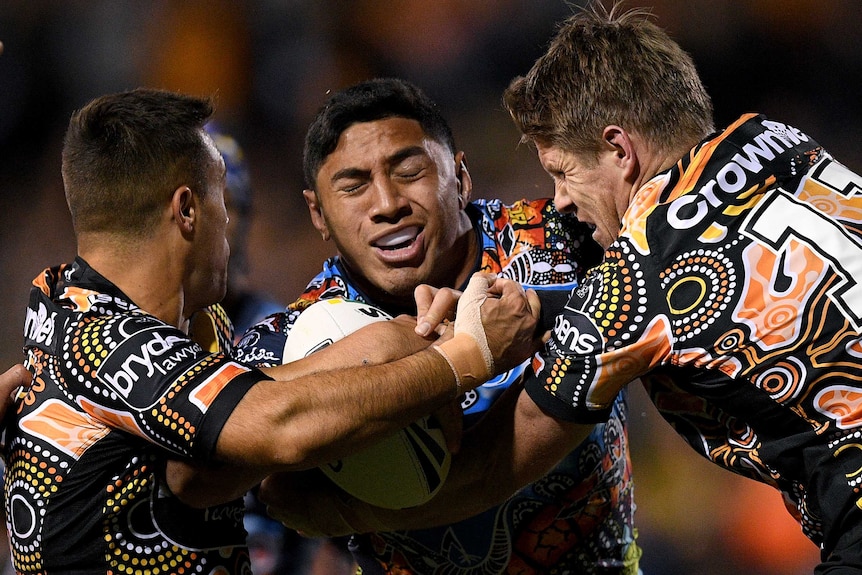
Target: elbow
x,y
181,481
198,486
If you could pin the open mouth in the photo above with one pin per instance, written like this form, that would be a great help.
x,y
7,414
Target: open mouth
x,y
399,240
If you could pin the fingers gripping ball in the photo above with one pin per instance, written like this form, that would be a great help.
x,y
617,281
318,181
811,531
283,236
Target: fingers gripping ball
x,y
405,469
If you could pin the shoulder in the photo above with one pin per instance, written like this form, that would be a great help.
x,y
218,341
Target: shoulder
x,y
122,349
538,212
262,345
331,282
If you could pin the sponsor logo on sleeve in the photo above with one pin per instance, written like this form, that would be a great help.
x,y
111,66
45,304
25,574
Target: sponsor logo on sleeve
x,y
147,355
575,333
252,350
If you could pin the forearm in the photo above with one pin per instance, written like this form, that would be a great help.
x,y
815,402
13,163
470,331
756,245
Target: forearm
x,y
306,405
374,344
310,421
317,418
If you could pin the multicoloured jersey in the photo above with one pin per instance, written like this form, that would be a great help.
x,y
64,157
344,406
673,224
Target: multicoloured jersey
x,y
733,293
115,393
576,519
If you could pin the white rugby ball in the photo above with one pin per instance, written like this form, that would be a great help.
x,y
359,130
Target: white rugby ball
x,y
405,469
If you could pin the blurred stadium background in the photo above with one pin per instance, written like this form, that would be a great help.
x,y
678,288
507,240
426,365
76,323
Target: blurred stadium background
x,y
271,64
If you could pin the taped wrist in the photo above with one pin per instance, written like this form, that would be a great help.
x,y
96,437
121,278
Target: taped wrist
x,y
467,360
468,323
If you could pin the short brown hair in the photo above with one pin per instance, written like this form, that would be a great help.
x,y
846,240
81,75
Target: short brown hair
x,y
604,68
125,153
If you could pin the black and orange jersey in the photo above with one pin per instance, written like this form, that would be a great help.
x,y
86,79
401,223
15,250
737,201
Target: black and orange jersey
x,y
733,292
115,393
579,518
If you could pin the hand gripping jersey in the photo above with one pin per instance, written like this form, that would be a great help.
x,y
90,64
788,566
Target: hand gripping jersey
x,y
115,392
579,517
734,293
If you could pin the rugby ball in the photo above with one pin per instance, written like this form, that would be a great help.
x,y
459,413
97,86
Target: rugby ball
x,y
403,470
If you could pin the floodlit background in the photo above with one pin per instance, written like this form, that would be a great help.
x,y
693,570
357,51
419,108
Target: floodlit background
x,y
271,64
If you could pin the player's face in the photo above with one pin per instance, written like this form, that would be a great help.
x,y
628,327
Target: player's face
x,y
211,251
592,191
392,198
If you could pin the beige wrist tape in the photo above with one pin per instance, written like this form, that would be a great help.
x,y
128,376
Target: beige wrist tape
x,y
469,316
465,357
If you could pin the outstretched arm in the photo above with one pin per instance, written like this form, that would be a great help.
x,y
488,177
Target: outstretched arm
x,y
314,418
207,483
320,417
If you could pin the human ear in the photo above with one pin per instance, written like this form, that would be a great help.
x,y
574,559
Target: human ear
x,y
624,149
318,220
465,181
183,208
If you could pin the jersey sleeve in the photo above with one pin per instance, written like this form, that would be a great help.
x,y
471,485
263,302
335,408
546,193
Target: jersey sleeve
x,y
262,345
139,375
608,334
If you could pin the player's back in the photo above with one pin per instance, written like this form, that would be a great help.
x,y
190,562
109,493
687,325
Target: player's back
x,y
86,449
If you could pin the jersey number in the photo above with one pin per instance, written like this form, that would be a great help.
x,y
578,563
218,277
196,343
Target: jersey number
x,y
780,216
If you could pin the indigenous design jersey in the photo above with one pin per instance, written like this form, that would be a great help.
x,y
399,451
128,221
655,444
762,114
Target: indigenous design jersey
x,y
579,517
733,292
115,392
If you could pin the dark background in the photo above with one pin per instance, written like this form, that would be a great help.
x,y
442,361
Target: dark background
x,y
271,64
